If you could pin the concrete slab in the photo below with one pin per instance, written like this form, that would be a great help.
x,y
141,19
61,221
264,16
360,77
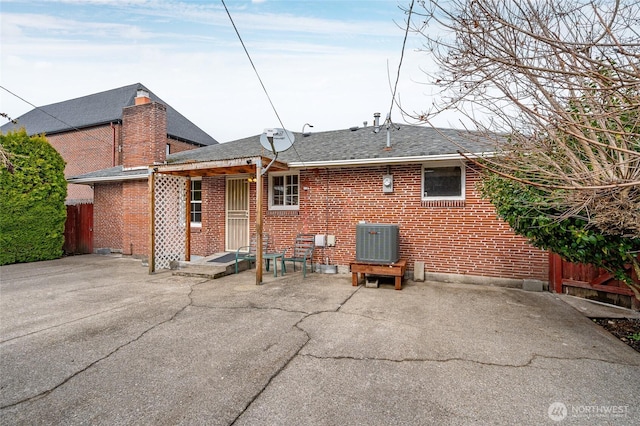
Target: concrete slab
x,y
96,340
595,309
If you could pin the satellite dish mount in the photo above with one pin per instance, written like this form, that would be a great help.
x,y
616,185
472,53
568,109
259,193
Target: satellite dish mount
x,y
276,140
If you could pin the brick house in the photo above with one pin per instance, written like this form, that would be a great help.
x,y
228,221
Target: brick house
x,y
119,132
328,182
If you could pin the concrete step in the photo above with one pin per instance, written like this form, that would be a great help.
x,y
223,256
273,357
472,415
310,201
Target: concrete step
x,y
209,272
203,268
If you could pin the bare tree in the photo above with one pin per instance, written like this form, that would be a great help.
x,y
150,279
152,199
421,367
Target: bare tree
x,y
4,159
4,155
559,82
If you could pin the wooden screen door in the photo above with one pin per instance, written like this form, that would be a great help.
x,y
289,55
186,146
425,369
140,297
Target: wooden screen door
x,y
237,229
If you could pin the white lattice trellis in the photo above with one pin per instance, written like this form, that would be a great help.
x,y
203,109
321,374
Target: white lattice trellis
x,y
170,222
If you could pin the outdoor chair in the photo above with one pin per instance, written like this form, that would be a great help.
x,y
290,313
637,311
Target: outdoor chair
x,y
301,251
248,253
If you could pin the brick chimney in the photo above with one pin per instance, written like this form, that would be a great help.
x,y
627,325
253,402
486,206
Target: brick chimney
x,y
144,132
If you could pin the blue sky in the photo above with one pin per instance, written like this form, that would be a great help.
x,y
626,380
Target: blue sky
x,y
323,62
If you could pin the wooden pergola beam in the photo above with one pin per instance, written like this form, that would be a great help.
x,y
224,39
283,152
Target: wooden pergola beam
x,y
236,166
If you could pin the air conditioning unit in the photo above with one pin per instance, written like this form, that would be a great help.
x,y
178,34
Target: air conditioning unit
x,y
377,243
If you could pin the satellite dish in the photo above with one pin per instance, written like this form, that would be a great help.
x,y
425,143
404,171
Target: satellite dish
x,y
276,140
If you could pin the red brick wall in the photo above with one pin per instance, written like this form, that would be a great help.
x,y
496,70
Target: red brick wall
x,y
120,209
101,147
209,238
84,151
178,146
135,217
121,217
459,240
144,134
107,216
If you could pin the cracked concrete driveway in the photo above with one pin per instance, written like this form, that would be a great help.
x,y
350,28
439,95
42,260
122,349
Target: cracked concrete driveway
x,y
96,340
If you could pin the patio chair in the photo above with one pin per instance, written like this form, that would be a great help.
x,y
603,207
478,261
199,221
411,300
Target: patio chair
x,y
248,253
301,251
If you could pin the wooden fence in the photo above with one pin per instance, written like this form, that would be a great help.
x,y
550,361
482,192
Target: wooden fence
x,y
563,274
78,229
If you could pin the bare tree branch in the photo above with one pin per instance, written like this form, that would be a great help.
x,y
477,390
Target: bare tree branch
x,y
557,86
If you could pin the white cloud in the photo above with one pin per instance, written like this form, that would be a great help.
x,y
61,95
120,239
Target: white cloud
x,y
202,71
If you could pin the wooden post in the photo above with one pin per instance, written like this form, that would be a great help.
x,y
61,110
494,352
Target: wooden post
x,y
152,227
259,222
555,272
187,242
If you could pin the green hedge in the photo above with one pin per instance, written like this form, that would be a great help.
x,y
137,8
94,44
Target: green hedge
x,y
531,214
32,210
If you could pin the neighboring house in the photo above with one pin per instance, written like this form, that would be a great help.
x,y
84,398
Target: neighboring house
x,y
98,131
326,184
123,130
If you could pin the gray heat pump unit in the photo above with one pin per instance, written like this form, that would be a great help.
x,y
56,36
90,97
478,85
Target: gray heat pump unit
x,y
377,243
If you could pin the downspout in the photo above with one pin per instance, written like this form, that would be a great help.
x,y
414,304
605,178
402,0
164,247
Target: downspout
x,y
326,225
113,128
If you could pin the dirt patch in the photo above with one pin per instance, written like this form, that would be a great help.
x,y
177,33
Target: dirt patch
x,y
627,330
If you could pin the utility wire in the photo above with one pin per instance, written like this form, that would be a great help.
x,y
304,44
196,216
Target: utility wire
x,y
258,75
50,115
404,43
39,109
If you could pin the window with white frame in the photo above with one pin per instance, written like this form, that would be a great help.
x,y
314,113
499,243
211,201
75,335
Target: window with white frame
x,y
196,202
443,181
284,191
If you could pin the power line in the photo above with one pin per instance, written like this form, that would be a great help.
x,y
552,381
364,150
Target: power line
x,y
39,109
50,115
258,75
404,43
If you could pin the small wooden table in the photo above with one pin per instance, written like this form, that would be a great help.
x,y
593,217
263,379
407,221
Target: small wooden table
x,y
386,269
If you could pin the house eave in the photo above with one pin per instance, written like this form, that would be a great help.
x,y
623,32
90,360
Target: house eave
x,y
359,162
106,179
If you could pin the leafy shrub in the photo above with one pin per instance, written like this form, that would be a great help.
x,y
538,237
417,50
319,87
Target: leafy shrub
x,y
530,213
32,195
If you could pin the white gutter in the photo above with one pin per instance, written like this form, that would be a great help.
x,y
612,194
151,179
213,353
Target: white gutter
x,y
105,179
383,161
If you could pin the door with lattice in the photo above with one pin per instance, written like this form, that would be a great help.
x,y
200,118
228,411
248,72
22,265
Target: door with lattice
x,y
237,214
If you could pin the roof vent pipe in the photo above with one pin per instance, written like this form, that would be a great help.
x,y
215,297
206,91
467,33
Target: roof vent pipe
x,y
388,122
376,122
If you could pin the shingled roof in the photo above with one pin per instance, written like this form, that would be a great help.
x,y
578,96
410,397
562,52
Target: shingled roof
x,y
103,108
355,146
351,146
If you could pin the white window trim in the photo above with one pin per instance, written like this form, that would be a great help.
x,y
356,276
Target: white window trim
x,y
196,224
438,164
287,173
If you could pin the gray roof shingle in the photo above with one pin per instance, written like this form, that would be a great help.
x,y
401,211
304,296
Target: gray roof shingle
x,y
410,143
348,144
101,108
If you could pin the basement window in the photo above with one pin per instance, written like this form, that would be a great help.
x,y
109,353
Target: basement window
x,y
443,182
284,191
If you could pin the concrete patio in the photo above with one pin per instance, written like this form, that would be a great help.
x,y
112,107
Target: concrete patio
x,y
96,340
